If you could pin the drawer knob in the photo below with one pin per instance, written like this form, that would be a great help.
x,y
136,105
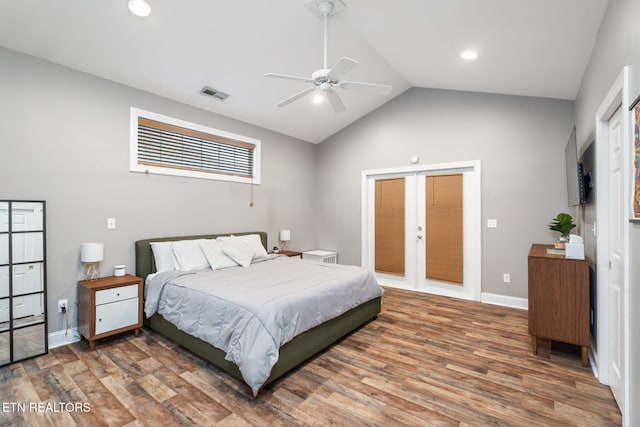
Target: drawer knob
x,y
118,294
99,320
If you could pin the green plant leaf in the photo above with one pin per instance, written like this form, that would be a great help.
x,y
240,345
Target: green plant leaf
x,y
562,223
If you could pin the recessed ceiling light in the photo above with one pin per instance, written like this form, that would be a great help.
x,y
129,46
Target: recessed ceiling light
x,y
469,54
139,7
318,98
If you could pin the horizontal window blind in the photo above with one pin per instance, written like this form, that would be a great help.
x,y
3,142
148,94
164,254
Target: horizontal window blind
x,y
170,146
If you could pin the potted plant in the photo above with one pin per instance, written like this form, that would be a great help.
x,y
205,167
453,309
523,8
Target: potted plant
x,y
563,223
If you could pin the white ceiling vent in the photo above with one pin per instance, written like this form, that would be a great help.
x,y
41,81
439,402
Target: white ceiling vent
x,y
220,96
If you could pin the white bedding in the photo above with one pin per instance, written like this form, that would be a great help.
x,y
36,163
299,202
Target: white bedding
x,y
250,312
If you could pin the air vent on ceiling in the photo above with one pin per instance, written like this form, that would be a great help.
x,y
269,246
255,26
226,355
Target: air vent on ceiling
x,y
220,96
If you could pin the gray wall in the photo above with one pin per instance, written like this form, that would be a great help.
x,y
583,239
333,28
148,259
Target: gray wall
x,y
618,44
64,138
519,140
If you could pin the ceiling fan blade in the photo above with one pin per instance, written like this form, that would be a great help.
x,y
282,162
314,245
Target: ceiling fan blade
x,y
335,101
342,67
298,95
285,76
367,87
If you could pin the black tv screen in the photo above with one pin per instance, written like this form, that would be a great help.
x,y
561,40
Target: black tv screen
x,y
575,179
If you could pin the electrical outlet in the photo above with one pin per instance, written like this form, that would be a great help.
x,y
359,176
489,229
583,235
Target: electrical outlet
x,y
492,223
506,277
62,306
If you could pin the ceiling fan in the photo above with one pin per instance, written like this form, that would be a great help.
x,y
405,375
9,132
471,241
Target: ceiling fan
x,y
328,79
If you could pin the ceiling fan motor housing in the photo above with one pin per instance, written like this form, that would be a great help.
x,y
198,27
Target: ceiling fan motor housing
x,y
321,77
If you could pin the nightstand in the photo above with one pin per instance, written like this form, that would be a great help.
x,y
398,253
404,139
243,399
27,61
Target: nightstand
x,y
291,253
108,306
327,257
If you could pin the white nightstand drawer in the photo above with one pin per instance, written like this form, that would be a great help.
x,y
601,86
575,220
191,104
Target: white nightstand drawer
x,y
116,315
116,294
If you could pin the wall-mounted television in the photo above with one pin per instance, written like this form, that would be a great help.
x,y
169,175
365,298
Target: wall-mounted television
x,y
575,177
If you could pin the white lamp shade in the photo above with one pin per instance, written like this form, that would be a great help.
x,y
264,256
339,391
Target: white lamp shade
x,y
285,235
92,252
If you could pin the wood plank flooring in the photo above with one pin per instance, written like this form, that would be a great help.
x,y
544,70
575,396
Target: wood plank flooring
x,y
425,360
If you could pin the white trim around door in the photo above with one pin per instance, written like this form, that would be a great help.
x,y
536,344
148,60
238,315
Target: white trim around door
x,y
617,97
472,226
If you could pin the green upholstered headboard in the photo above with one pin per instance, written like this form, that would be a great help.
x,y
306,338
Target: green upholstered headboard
x,y
145,263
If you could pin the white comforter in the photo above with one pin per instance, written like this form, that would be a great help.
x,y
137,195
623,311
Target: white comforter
x,y
250,312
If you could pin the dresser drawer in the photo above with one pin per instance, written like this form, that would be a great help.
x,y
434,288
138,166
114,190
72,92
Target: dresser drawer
x,y
116,315
116,294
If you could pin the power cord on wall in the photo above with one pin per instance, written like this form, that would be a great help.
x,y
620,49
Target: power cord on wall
x,y
65,313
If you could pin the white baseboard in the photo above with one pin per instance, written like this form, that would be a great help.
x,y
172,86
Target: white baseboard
x,y
64,337
507,301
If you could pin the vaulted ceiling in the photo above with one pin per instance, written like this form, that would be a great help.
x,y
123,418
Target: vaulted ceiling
x,y
533,48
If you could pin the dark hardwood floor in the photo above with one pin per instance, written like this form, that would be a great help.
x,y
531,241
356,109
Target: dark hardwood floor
x,y
425,360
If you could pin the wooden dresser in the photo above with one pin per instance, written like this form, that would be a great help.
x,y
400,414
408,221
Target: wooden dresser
x,y
558,299
108,306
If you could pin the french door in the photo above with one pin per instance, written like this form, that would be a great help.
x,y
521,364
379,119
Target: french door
x,y
421,228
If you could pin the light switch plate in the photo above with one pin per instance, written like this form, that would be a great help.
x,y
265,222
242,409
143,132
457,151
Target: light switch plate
x,y
111,223
492,223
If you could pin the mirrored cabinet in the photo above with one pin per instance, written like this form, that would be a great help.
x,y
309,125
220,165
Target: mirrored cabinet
x,y
23,296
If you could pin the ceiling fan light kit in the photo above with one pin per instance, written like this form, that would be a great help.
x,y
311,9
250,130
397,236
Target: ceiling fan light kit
x,y
327,79
469,54
139,8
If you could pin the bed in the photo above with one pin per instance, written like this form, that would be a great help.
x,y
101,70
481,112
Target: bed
x,y
289,354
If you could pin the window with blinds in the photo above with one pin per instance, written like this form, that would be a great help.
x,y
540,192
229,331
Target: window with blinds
x,y
173,147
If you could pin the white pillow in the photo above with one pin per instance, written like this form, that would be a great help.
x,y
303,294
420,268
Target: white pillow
x,y
212,250
254,242
238,251
163,256
188,256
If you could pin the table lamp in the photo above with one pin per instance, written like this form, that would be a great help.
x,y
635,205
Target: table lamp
x,y
285,236
91,253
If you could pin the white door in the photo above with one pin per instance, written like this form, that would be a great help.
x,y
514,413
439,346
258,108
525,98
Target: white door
x,y
4,292
26,247
414,276
470,213
616,258
27,278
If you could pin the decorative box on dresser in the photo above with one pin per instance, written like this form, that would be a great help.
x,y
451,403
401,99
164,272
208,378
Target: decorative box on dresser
x,y
558,299
109,306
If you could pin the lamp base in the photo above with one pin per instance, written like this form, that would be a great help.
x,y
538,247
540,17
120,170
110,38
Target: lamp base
x,y
91,273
